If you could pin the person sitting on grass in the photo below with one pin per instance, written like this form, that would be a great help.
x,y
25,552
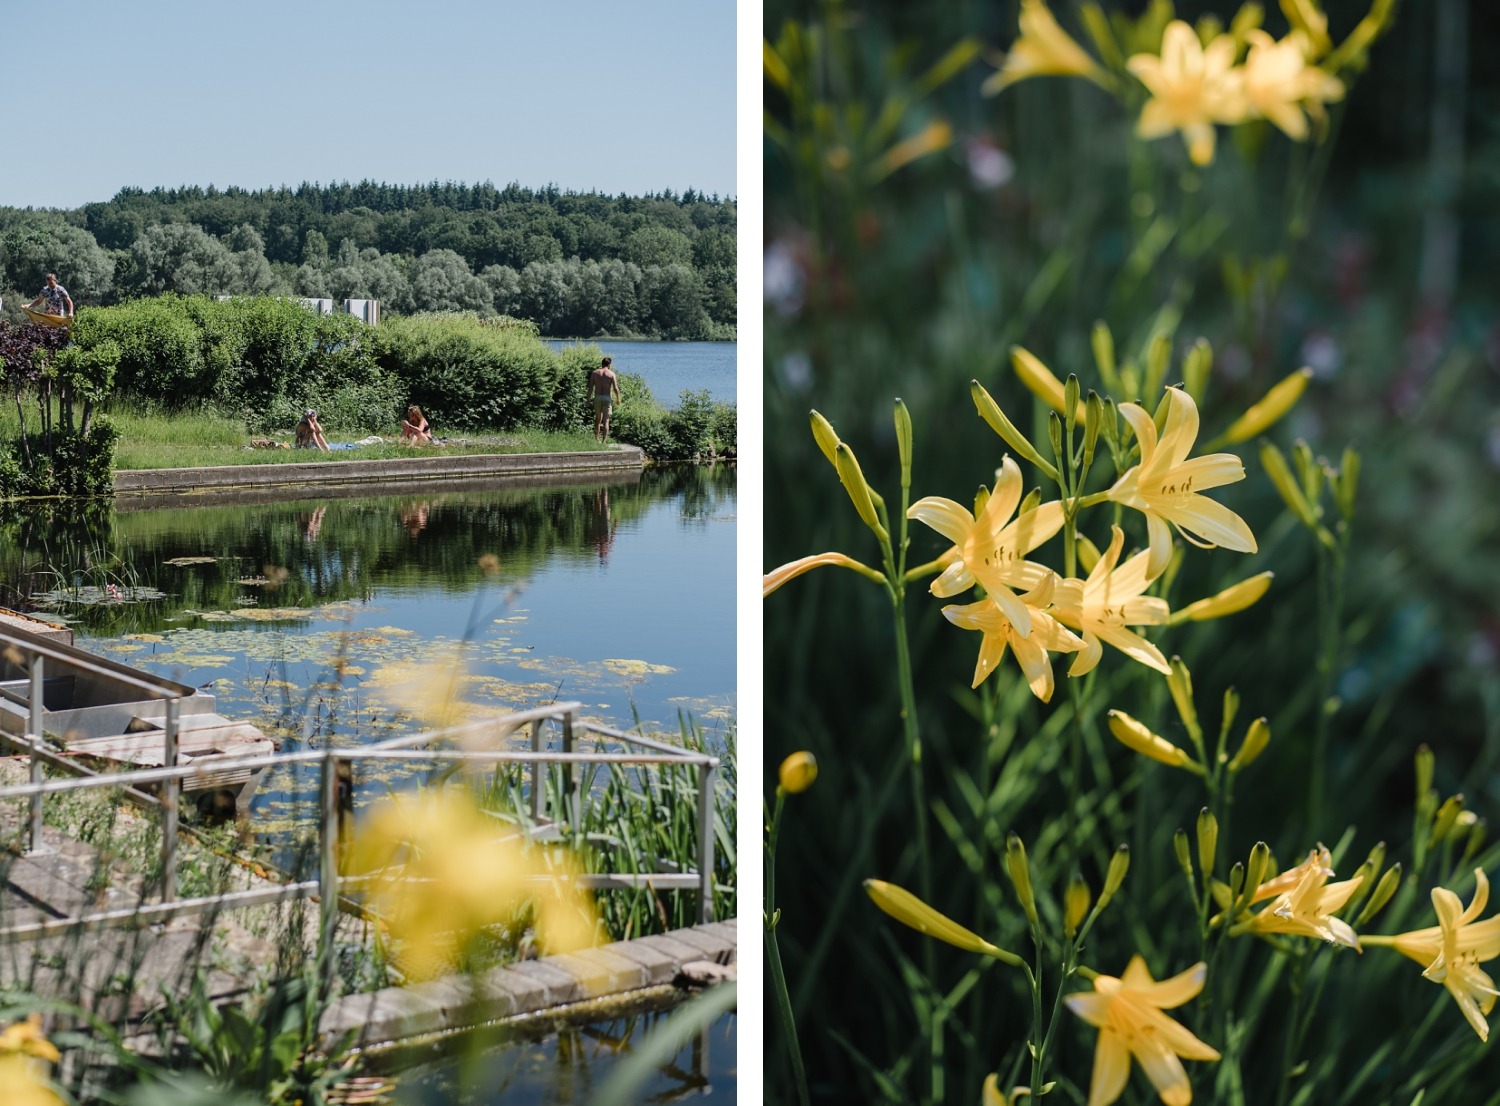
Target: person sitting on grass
x,y
415,428
310,432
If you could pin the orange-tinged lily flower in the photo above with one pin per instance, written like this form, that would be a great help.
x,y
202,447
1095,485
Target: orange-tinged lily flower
x,y
792,569
1453,949
1101,606
1192,88
1043,50
999,631
991,550
1166,487
1128,1012
1278,80
1304,903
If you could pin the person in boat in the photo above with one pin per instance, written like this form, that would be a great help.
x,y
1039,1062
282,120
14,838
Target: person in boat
x,y
54,299
604,390
310,432
415,428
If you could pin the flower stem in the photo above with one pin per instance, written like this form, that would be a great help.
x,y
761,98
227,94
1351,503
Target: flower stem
x,y
773,956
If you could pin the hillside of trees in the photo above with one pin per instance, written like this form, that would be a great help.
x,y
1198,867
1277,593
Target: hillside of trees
x,y
577,264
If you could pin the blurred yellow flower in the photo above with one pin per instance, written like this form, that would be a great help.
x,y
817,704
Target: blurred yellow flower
x,y
1101,606
1192,88
1166,486
1031,648
24,1056
1304,903
989,550
1453,949
443,870
798,772
25,1037
991,1095
1278,82
1043,50
1128,1013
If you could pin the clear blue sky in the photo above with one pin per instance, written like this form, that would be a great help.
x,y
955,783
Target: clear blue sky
x,y
587,94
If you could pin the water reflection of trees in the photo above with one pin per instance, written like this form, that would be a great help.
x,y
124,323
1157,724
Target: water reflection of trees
x,y
336,549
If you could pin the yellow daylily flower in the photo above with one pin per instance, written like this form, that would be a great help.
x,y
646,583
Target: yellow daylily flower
x,y
1453,949
26,1038
442,870
991,1094
1031,648
1101,606
22,1084
989,550
1304,902
1278,81
1192,88
1043,50
798,772
1128,1012
1166,486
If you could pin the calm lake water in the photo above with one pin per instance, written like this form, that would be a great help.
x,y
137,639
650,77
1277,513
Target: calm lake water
x,y
340,611
670,368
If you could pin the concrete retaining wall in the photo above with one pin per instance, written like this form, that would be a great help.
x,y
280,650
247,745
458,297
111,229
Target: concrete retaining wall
x,y
533,986
433,469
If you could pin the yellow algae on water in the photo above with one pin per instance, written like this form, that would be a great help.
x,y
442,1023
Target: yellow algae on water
x,y
150,639
128,648
180,561
636,669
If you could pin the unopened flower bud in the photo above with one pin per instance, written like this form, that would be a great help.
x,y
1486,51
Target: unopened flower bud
x,y
1383,892
1425,762
1259,868
1071,405
1136,736
1195,368
1020,875
1446,816
1093,417
1119,864
1180,684
1347,487
798,772
1032,501
903,440
990,411
1477,834
1208,839
1257,737
1104,355
824,435
1236,883
1274,463
1088,553
1075,905
1042,383
911,911
854,483
1231,600
1231,707
1270,408
1055,435
1158,357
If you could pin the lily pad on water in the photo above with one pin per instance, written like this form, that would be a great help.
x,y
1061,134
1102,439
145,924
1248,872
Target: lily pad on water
x,y
92,596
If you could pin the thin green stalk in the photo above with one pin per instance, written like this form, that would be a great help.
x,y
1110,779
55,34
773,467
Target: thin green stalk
x,y
773,957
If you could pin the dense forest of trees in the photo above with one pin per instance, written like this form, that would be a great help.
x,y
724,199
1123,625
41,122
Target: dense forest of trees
x,y
576,264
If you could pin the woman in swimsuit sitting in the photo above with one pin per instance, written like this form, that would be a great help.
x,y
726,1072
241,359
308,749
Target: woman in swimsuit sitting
x,y
310,432
414,428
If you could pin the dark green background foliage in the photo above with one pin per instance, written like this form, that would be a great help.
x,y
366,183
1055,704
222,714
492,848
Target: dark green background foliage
x,y
1368,257
582,264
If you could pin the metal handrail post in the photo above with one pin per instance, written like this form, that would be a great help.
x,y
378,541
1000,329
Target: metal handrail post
x,y
705,842
36,706
328,872
171,789
571,809
538,769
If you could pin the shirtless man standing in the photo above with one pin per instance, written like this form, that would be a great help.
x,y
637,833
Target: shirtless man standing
x,y
604,390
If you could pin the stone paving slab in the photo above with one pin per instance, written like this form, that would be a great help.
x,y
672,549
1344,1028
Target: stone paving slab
x,y
530,987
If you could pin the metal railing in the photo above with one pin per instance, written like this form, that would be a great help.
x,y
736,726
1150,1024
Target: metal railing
x,y
336,768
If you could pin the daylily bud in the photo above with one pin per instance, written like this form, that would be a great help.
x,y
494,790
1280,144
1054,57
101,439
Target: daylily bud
x,y
1031,502
854,483
1231,600
1055,435
1097,25
909,910
1309,470
1231,707
1208,839
1236,883
1270,408
1347,487
1258,870
790,571
1383,892
1195,368
981,497
1158,357
1119,864
1477,834
1257,737
1180,684
1425,762
1248,18
1104,355
1136,736
1447,814
990,411
1075,905
903,441
1020,875
1088,554
1130,381
798,772
1041,382
1071,406
825,437
1276,468
1111,424
1093,416
1183,849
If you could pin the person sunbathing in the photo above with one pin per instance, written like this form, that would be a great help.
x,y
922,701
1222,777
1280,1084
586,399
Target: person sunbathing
x,y
415,428
310,432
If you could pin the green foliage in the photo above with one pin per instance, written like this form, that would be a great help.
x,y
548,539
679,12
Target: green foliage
x,y
699,427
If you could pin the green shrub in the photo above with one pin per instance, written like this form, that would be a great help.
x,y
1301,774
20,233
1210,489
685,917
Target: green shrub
x,y
161,348
724,429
